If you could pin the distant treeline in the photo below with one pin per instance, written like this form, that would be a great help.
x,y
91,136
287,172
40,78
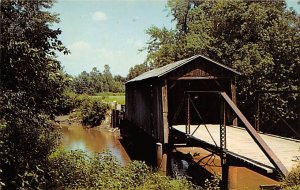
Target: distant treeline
x,y
96,81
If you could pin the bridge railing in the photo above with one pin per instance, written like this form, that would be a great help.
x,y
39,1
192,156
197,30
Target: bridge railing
x,y
228,107
255,136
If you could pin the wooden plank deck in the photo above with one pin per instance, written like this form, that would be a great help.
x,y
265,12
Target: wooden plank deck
x,y
240,142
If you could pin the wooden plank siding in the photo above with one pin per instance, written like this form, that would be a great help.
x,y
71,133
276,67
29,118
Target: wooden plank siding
x,y
144,108
199,69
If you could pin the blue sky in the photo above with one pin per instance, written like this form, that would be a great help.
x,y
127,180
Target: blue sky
x,y
99,32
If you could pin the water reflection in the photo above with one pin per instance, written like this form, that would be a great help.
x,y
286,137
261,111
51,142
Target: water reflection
x,y
75,137
245,178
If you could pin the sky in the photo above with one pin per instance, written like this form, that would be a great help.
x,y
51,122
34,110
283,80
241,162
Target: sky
x,y
99,32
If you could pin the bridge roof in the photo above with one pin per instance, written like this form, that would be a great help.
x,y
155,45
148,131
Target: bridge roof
x,y
159,72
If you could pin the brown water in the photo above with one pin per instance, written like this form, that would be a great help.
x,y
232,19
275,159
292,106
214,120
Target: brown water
x,y
245,178
75,137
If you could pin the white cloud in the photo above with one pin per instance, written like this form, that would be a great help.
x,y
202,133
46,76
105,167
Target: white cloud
x,y
99,16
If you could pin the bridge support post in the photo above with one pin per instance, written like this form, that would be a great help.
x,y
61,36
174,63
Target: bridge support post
x,y
225,178
224,163
161,159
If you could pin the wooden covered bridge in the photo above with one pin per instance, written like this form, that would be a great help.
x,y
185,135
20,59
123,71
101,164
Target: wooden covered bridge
x,y
192,103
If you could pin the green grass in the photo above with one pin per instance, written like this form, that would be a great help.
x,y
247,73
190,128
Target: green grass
x,y
109,97
109,94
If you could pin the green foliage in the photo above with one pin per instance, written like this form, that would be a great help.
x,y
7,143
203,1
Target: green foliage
x,y
260,39
78,170
90,109
137,70
27,140
110,97
213,184
95,82
31,84
93,112
292,180
110,94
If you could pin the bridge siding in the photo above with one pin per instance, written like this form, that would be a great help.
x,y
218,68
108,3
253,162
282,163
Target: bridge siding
x,y
144,107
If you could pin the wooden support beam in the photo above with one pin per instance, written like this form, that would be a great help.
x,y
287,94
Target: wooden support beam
x,y
161,159
255,136
233,97
196,78
188,129
164,92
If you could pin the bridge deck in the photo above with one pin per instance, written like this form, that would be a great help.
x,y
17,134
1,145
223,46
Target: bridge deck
x,y
240,142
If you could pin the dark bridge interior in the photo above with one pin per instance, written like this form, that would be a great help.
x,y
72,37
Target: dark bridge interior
x,y
206,104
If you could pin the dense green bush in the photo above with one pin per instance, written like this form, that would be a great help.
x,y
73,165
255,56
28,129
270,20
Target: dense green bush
x,y
27,140
70,101
93,112
91,109
78,170
292,180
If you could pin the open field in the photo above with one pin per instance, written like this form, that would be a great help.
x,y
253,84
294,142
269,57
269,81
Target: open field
x,y
109,97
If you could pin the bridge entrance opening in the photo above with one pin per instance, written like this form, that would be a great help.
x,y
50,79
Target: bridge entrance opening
x,y
191,101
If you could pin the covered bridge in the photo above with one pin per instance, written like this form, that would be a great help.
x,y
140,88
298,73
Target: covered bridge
x,y
154,99
195,99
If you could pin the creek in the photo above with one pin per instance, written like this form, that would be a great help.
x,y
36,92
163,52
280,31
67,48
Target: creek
x,y
94,140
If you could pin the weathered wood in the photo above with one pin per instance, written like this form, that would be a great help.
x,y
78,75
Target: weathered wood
x,y
161,159
196,78
165,112
150,103
233,98
241,143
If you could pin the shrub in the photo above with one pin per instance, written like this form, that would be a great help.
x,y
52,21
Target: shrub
x,y
78,170
93,112
70,101
26,142
292,180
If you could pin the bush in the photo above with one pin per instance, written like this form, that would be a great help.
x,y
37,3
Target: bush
x,y
27,140
292,180
93,112
70,101
78,170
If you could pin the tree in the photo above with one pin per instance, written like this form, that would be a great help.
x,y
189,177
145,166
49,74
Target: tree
x,y
83,83
260,39
31,84
107,79
96,80
137,70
